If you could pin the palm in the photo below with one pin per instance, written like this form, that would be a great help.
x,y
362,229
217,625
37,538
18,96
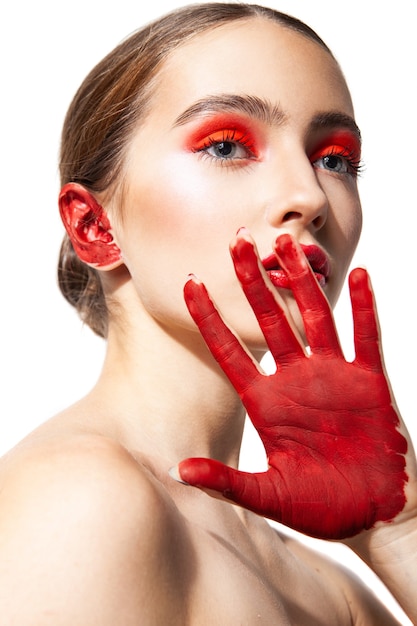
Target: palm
x,y
335,454
331,450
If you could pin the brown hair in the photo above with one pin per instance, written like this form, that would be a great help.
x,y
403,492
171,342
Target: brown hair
x,y
109,104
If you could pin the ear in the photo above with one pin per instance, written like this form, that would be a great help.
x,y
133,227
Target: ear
x,y
88,227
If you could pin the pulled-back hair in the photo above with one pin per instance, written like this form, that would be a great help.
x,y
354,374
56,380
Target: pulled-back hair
x,y
110,104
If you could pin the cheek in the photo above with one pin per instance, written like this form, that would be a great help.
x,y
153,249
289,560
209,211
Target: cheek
x,y
345,218
177,222
343,231
351,225
183,206
181,196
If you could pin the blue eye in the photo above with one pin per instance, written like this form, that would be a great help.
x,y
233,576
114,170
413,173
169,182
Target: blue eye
x,y
227,150
227,145
340,154
333,163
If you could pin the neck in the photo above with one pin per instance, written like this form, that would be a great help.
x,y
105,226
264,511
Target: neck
x,y
164,397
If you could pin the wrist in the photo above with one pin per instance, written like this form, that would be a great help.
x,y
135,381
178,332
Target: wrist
x,y
386,541
390,550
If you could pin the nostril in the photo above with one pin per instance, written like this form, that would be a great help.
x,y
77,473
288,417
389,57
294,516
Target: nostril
x,y
319,221
291,215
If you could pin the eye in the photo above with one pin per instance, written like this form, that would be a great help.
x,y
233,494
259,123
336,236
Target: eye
x,y
340,157
227,145
338,161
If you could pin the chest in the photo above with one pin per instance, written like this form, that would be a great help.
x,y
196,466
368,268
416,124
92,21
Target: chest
x,y
237,583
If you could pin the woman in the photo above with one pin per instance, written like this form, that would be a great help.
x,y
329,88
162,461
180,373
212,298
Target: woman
x,y
213,118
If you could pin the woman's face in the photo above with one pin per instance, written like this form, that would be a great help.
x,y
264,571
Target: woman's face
x,y
251,125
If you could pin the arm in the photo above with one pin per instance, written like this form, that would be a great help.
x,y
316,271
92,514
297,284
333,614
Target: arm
x,y
341,463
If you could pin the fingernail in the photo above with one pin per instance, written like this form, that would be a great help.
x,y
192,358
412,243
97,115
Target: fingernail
x,y
173,472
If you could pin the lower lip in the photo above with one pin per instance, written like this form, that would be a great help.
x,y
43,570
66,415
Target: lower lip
x,y
279,279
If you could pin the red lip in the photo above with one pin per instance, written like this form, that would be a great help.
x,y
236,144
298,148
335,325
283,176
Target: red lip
x,y
315,256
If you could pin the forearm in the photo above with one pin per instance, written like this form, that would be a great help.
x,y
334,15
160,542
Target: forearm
x,y
391,552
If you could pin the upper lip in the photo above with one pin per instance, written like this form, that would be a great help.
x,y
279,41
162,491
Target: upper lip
x,y
316,257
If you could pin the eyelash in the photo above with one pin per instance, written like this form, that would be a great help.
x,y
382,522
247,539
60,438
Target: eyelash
x,y
353,161
232,136
242,138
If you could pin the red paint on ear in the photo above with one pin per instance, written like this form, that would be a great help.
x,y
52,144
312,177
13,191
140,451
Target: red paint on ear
x,y
88,227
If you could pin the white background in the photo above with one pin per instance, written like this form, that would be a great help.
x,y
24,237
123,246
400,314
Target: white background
x,y
47,359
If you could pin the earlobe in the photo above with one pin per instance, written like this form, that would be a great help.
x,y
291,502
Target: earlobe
x,y
88,227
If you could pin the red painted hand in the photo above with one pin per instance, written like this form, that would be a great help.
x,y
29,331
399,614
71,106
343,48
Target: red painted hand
x,y
335,454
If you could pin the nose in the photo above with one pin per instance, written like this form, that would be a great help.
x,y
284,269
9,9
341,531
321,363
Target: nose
x,y
298,198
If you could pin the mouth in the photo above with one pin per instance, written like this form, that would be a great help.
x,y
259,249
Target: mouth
x,y
317,259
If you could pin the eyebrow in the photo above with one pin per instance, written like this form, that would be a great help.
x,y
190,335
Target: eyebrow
x,y
264,111
254,107
334,119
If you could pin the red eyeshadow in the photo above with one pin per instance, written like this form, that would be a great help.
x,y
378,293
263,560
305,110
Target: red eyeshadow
x,y
222,124
341,142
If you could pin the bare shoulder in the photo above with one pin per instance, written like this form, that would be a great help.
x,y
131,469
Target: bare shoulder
x,y
89,470
364,607
83,527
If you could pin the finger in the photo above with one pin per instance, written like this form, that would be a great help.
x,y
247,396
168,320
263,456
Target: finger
x,y
314,307
281,338
233,358
365,321
255,492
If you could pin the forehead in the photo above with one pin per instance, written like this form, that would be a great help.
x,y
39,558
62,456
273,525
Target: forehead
x,y
258,57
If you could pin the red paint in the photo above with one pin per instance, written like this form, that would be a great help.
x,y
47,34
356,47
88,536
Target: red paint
x,y
223,128
344,144
88,227
330,431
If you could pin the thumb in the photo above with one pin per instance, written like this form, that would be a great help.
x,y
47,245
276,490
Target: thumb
x,y
243,488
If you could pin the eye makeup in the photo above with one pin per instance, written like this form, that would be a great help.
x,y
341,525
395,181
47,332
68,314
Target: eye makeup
x,y
222,128
237,138
343,144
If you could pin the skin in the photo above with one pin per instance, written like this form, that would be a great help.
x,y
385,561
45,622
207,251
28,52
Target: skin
x,y
93,530
277,192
